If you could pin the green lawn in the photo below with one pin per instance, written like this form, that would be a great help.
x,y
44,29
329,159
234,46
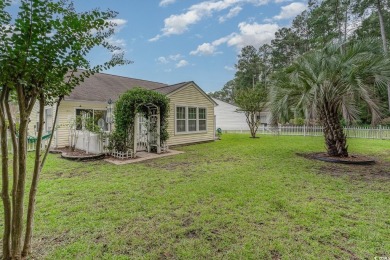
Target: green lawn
x,y
239,198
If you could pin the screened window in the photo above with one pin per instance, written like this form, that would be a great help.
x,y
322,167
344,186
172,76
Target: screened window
x,y
202,119
98,118
190,119
180,119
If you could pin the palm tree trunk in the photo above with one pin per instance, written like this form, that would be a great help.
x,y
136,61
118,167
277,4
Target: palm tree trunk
x,y
335,139
384,38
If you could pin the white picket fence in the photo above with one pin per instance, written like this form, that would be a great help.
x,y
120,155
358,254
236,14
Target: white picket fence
x,y
380,132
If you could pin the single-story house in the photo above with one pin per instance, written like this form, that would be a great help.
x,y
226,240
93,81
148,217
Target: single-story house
x,y
191,116
230,118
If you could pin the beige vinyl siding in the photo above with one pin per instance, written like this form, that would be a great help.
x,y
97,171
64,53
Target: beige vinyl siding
x,y
34,117
67,111
190,96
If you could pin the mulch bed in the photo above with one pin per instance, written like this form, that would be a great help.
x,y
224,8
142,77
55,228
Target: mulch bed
x,y
77,155
355,167
352,159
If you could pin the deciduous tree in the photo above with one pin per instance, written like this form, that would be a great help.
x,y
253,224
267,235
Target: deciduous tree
x,y
41,49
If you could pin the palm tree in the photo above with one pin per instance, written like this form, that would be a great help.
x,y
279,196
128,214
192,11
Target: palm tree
x,y
329,84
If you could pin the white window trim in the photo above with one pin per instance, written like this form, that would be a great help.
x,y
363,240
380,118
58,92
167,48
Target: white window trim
x,y
93,111
187,132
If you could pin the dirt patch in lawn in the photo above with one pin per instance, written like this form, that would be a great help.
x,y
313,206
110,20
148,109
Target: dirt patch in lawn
x,y
188,164
379,171
43,245
170,166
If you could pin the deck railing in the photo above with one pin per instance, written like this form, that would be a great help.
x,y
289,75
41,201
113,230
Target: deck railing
x,y
31,143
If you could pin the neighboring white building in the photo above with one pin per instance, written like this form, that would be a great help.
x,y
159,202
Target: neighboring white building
x,y
228,117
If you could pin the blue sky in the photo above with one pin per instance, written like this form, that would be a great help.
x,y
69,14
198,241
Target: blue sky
x,y
172,41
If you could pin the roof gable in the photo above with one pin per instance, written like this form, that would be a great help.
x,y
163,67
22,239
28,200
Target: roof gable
x,y
191,83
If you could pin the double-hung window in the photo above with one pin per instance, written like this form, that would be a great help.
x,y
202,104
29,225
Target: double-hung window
x,y
202,119
181,119
190,119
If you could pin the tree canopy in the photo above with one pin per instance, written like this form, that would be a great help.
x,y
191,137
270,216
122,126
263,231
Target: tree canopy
x,y
41,48
324,22
328,84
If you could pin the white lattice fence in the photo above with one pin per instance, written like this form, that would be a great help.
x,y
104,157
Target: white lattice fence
x,y
123,155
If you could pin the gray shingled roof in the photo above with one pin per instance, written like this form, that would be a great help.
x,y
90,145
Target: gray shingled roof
x,y
101,87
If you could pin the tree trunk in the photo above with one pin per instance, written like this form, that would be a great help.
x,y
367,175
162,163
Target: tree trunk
x,y
17,216
384,39
251,121
14,140
52,134
34,184
5,180
335,139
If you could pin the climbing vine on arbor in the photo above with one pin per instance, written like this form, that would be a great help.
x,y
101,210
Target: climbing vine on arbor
x,y
127,106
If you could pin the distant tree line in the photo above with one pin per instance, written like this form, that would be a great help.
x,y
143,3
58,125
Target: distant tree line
x,y
323,23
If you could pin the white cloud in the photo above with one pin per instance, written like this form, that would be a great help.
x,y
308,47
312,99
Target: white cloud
x,y
290,11
253,34
117,42
120,23
182,63
166,2
282,1
179,23
175,57
204,49
162,60
232,13
229,68
250,34
170,58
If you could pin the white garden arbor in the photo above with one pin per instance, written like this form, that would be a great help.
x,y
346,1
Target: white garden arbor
x,y
140,123
147,129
